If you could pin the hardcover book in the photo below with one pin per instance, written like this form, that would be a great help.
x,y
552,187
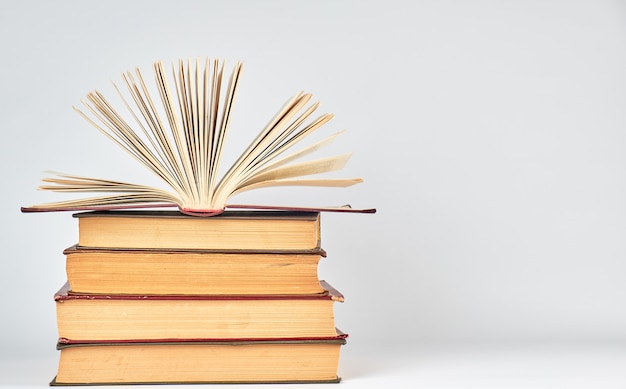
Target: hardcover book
x,y
193,272
88,317
304,360
233,230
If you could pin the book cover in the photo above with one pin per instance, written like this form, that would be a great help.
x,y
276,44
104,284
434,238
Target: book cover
x,y
287,360
189,272
235,230
88,317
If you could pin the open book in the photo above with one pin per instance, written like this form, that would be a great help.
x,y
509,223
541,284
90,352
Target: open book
x,y
181,141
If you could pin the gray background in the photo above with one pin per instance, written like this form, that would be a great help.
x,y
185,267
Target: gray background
x,y
490,135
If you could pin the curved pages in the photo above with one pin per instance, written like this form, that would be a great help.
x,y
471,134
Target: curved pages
x,y
180,138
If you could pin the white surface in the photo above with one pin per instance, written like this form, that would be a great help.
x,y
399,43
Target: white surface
x,y
512,366
490,135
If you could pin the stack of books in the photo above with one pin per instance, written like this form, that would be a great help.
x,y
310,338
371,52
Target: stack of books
x,y
161,297
212,292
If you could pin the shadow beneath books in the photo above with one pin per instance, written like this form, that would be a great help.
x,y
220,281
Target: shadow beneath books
x,y
24,370
365,365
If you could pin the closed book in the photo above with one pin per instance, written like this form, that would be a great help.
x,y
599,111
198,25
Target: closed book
x,y
231,230
193,272
285,360
88,317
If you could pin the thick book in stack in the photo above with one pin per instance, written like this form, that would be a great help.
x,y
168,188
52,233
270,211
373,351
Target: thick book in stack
x,y
161,297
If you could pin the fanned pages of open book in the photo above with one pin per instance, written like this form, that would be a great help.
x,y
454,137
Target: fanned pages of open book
x,y
182,139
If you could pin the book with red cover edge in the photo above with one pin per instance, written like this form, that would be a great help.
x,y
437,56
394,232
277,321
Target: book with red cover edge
x,y
76,248
330,293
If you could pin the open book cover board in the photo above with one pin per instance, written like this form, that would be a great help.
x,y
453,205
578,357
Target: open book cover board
x,y
176,127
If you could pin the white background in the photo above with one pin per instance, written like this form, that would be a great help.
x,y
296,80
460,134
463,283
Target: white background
x,y
490,135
